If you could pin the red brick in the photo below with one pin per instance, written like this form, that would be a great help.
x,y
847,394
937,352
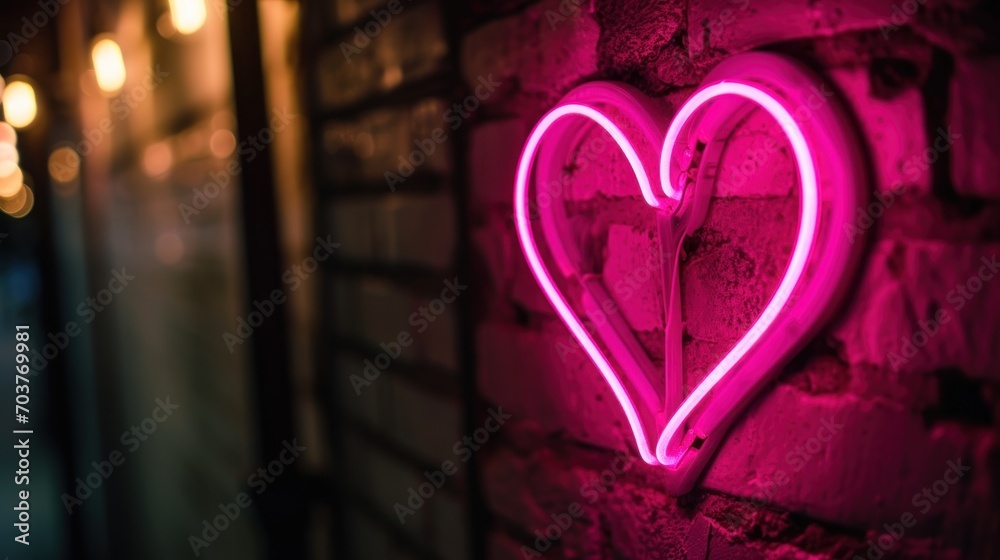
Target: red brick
x,y
739,25
633,277
894,130
525,48
905,283
900,457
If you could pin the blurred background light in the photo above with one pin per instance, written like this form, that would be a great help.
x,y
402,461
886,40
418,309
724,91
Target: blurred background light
x,y
7,134
19,105
222,143
169,248
187,15
157,159
26,206
165,26
16,202
64,164
9,159
9,184
109,65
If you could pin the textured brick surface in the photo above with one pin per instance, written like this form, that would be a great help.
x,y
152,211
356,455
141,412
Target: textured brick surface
x,y
894,129
528,52
738,25
922,293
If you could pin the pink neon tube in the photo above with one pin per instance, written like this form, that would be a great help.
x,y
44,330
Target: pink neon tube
x,y
793,273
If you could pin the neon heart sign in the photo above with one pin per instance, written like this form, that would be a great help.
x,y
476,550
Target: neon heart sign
x,y
670,428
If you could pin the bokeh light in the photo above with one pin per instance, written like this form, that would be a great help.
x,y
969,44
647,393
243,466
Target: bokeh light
x,y
109,65
187,15
9,184
29,203
7,134
64,164
157,159
169,248
165,27
222,143
15,203
9,158
19,105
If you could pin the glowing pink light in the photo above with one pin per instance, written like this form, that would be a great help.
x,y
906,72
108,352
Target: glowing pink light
x,y
541,272
808,216
757,353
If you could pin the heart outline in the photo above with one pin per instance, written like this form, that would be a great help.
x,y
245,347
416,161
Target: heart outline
x,y
769,81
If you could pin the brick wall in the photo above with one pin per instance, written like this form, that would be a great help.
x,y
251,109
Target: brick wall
x,y
908,70
391,358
